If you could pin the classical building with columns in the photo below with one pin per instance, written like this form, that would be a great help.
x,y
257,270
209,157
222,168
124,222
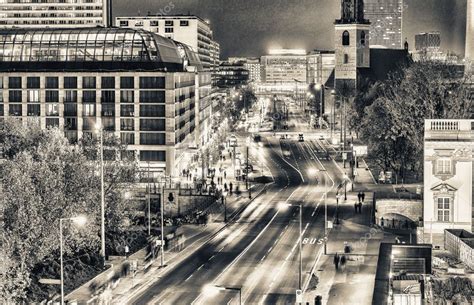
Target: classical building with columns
x,y
448,177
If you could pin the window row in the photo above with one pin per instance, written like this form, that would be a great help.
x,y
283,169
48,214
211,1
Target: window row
x,y
89,110
88,96
88,82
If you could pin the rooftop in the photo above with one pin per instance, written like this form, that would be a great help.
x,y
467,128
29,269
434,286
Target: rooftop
x,y
97,48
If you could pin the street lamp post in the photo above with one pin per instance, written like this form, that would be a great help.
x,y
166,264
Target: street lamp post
x,y
102,194
345,187
300,243
149,200
248,171
79,220
224,194
162,199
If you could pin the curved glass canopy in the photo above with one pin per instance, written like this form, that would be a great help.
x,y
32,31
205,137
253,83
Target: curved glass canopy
x,y
83,45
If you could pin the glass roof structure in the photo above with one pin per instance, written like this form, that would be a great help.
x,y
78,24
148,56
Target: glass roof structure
x,y
92,48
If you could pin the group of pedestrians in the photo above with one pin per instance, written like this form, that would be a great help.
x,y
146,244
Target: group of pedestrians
x,y
339,260
358,204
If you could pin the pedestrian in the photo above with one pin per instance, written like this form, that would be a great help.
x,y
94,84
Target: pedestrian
x,y
360,207
363,196
230,187
225,175
343,261
336,261
359,196
355,207
381,222
225,187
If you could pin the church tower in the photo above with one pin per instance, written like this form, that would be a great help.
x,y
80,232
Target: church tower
x,y
351,43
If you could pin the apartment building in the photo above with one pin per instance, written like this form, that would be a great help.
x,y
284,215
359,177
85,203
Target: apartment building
x,y
133,83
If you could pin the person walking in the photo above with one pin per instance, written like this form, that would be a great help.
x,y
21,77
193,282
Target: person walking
x,y
355,207
359,196
363,196
231,187
360,207
343,262
336,261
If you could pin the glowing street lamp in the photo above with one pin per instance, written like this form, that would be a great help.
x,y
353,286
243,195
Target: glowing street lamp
x,y
98,129
300,205
78,221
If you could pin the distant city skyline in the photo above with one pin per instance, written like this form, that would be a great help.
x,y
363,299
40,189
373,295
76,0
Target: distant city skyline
x,y
242,28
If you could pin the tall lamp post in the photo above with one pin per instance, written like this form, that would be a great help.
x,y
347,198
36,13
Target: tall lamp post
x,y
98,128
345,186
321,88
224,194
248,170
300,273
162,210
79,221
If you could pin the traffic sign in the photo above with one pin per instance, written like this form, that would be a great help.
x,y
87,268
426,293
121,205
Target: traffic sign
x,y
299,296
50,281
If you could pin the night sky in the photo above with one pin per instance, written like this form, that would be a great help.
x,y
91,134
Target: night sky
x,y
251,27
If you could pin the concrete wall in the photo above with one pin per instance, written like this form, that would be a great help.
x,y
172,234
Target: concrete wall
x,y
412,209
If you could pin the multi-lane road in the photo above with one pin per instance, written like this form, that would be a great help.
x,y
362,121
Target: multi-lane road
x,y
258,252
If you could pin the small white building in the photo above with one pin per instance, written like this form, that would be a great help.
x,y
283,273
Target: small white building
x,y
448,177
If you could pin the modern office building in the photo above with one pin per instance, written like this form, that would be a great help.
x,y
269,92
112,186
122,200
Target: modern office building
x,y
470,32
320,66
187,29
385,17
428,46
138,85
232,75
54,13
255,69
448,177
284,66
197,34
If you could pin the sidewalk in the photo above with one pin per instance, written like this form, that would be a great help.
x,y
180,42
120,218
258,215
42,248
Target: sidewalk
x,y
353,283
196,236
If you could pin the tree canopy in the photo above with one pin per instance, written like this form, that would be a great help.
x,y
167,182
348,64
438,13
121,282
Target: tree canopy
x,y
392,113
43,178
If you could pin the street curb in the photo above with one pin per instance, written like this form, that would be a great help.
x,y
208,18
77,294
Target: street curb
x,y
166,270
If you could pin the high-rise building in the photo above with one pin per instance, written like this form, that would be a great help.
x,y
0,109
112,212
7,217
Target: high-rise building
x,y
385,17
254,67
428,46
137,85
54,13
320,67
196,33
188,29
470,31
448,177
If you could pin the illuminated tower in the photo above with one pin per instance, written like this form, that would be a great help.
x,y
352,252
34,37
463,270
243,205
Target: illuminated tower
x,y
352,42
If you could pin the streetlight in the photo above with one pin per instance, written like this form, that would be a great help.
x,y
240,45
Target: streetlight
x,y
98,128
212,290
79,221
248,170
333,94
224,194
345,186
162,200
300,205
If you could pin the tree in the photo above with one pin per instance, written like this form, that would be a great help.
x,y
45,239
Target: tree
x,y
393,125
43,179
